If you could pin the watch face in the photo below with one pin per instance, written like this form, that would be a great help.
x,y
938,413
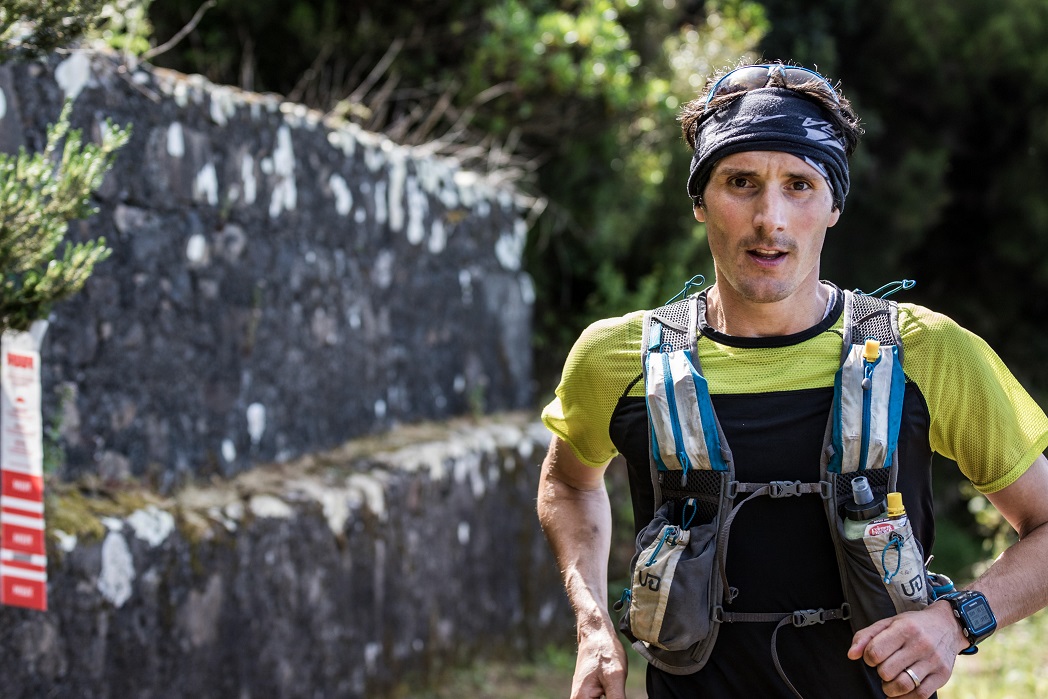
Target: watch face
x,y
978,615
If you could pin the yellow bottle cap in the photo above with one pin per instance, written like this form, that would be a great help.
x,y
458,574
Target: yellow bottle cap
x,y
871,351
895,508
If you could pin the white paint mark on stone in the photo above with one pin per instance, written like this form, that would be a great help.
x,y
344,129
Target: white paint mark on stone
x,y
73,73
205,185
463,533
229,450
527,289
271,507
152,525
181,93
176,142
459,384
510,246
418,211
66,542
343,197
223,105
372,490
380,408
234,511
196,250
374,159
336,511
3,104
360,216
372,651
256,421
118,570
397,175
285,193
247,176
438,238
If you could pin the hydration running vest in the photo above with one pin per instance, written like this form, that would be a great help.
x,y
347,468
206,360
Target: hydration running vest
x,y
680,594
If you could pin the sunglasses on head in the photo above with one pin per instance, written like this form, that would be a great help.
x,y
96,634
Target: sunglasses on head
x,y
757,76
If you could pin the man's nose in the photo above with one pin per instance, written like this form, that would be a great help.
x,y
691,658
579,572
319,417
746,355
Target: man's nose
x,y
770,215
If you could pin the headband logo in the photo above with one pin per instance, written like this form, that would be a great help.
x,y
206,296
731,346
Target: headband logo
x,y
822,132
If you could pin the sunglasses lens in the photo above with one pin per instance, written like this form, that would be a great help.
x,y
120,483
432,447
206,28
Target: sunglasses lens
x,y
748,78
756,77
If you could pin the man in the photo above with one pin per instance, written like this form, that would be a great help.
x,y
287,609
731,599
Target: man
x,y
769,177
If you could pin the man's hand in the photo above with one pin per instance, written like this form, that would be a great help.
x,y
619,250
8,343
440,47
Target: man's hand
x,y
600,669
926,643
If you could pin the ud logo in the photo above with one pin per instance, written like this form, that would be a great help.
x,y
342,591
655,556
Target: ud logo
x,y
652,582
913,586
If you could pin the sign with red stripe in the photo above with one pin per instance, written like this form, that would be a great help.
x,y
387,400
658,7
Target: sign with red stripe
x,y
23,560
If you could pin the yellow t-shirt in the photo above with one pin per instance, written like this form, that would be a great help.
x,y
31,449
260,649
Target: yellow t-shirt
x,y
978,413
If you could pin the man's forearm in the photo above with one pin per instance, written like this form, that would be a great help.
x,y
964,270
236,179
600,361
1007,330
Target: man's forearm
x,y
577,524
1016,584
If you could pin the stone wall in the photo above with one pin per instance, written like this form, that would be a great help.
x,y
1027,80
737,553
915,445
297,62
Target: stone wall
x,y
341,575
278,284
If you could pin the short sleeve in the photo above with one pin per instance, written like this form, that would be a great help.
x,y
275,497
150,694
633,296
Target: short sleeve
x,y
981,417
598,370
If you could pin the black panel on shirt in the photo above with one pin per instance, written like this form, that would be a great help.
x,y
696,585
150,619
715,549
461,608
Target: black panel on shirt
x,y
780,555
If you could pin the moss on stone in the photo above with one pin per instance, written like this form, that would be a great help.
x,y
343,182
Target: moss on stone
x,y
78,509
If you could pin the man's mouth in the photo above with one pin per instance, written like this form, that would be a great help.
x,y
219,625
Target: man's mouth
x,y
764,254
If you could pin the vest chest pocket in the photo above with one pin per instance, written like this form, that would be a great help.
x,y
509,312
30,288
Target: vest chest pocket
x,y
684,434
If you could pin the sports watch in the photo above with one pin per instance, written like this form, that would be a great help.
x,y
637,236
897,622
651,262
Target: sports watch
x,y
974,615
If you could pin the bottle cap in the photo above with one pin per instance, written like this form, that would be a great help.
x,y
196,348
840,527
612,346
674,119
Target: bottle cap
x,y
895,508
871,351
861,492
863,506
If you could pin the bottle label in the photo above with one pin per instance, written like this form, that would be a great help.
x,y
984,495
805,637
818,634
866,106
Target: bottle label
x,y
897,557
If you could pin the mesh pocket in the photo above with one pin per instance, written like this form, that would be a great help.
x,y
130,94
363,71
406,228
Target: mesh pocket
x,y
670,590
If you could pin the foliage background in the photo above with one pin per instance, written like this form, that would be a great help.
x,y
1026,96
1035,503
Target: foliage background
x,y
576,101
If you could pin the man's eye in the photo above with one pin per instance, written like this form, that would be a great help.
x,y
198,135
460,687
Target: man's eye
x,y
801,185
739,182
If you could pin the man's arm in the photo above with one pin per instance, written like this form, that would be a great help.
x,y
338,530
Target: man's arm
x,y
575,515
1016,585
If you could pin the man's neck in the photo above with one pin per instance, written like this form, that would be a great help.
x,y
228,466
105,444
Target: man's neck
x,y
733,315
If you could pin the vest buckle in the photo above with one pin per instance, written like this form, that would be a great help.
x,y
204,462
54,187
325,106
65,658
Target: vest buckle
x,y
784,489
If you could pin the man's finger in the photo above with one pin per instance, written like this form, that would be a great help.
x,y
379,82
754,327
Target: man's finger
x,y
862,638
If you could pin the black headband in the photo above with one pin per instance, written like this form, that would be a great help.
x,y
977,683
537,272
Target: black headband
x,y
775,119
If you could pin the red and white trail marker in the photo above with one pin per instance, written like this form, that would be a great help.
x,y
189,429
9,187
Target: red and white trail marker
x,y
23,559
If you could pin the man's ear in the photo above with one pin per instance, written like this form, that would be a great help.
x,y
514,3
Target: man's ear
x,y
700,214
835,216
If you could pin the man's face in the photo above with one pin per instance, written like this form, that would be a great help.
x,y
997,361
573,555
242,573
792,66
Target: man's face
x,y
766,215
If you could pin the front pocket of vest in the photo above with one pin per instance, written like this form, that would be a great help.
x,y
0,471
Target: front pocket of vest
x,y
865,562
670,591
898,558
